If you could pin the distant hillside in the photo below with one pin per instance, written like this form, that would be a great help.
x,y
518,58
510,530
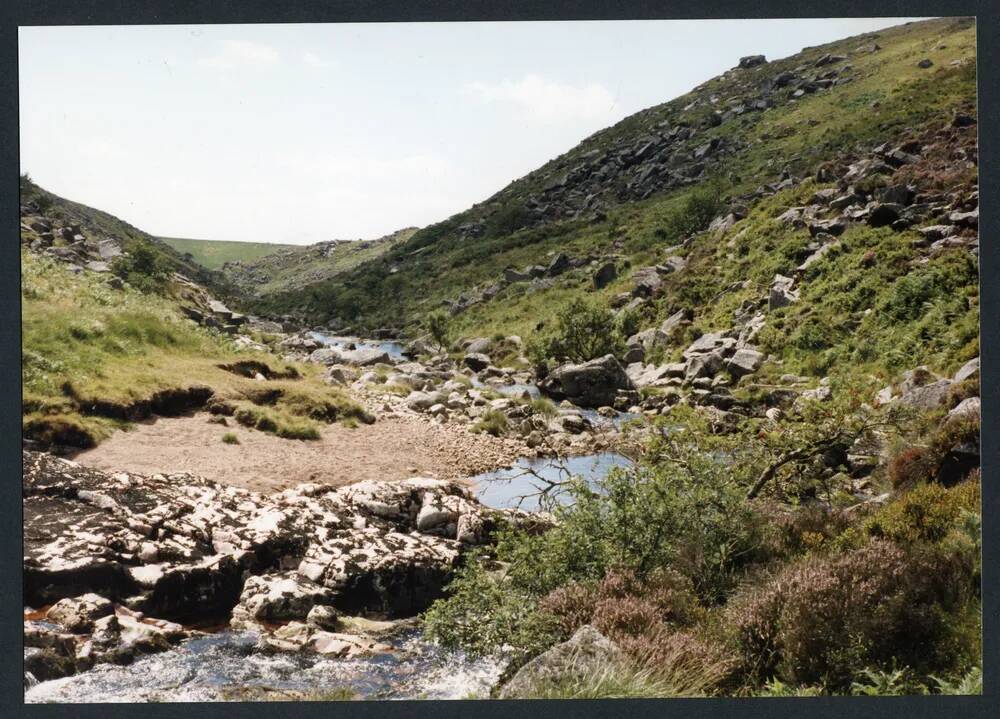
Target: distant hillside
x,y
213,254
291,268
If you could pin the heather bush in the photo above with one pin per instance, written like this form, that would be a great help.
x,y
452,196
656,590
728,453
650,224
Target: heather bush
x,y
819,620
911,467
623,602
927,513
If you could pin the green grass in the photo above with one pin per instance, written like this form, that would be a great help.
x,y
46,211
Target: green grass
x,y
492,422
92,356
213,254
230,438
627,681
97,223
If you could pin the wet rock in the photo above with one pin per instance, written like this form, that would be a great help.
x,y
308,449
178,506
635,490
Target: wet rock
x,y
323,617
181,546
279,596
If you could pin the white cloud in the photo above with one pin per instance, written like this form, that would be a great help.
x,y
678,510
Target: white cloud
x,y
240,53
547,100
311,59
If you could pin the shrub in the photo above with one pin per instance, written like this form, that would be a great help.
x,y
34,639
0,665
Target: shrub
x,y
820,619
624,603
485,612
911,467
230,438
583,332
927,513
142,267
439,326
694,215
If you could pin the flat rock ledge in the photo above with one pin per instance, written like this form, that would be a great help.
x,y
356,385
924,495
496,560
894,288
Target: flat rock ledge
x,y
114,563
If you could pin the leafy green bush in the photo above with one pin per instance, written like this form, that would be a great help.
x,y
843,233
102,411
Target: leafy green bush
x,y
583,332
142,267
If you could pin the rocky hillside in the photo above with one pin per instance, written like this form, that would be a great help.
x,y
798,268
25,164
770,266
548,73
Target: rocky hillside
x,y
88,238
289,269
645,189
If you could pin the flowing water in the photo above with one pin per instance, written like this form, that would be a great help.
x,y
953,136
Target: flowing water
x,y
390,347
227,665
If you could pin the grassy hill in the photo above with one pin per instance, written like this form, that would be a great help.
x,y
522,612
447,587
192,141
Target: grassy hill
x,y
106,339
293,268
648,186
213,254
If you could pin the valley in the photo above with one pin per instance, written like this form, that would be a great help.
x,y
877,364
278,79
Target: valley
x,y
698,399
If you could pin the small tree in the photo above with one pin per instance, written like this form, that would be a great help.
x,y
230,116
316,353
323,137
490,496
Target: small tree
x,y
583,332
439,326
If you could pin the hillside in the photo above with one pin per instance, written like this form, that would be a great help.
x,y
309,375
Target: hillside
x,y
117,327
106,236
625,194
290,269
213,254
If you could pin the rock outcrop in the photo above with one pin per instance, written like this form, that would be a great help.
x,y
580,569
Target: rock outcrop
x,y
110,551
589,384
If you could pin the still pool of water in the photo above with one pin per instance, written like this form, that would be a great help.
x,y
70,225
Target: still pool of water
x,y
505,488
390,347
203,669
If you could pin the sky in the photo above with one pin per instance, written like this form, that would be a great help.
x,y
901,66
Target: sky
x,y
303,133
